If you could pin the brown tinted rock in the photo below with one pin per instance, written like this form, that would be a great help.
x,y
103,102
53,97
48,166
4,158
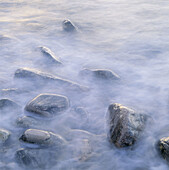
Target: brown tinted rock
x,y
124,124
163,147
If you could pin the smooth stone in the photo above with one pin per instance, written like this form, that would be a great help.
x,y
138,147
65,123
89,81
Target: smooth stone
x,y
163,147
37,158
68,26
5,103
47,52
101,74
4,135
42,138
125,125
48,105
37,75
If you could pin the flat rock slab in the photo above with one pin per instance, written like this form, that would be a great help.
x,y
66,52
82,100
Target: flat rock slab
x,y
36,158
124,124
48,105
47,52
103,74
42,138
163,147
37,75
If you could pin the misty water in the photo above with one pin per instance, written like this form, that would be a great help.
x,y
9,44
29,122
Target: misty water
x,y
128,37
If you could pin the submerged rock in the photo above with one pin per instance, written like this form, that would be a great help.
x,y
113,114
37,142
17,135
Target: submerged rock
x,y
37,75
47,52
37,158
68,26
124,124
4,135
101,74
48,105
163,147
42,138
5,103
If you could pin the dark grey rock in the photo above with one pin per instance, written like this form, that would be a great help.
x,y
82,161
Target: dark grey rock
x,y
37,158
4,135
124,124
42,138
163,147
39,76
47,52
6,103
68,26
48,105
101,74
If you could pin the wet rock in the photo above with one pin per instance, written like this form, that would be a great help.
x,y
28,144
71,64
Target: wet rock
x,y
39,77
10,91
82,113
124,124
42,138
68,26
5,103
37,158
163,147
101,74
47,52
27,121
4,135
48,105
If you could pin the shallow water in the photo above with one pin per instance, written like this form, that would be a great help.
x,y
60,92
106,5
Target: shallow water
x,y
127,36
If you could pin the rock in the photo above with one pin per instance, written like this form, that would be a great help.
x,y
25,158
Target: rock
x,y
27,121
37,158
5,103
101,74
68,26
4,135
48,105
39,76
42,138
47,52
163,147
124,124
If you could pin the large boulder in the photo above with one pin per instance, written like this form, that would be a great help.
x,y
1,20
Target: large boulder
x,y
48,105
124,124
47,52
42,138
163,147
36,158
43,78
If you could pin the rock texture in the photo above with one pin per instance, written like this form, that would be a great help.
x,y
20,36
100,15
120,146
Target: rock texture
x,y
47,52
68,26
48,105
5,103
39,76
101,74
4,135
42,138
124,124
163,147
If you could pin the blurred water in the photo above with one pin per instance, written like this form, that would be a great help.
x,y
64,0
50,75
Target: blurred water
x,y
127,36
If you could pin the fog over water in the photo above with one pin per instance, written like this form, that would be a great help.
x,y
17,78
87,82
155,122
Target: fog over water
x,y
129,37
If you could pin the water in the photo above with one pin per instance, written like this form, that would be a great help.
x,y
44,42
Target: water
x,y
128,37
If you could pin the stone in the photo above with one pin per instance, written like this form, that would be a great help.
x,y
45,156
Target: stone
x,y
163,147
100,74
4,135
68,26
36,158
48,105
6,103
42,138
39,76
125,125
47,52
